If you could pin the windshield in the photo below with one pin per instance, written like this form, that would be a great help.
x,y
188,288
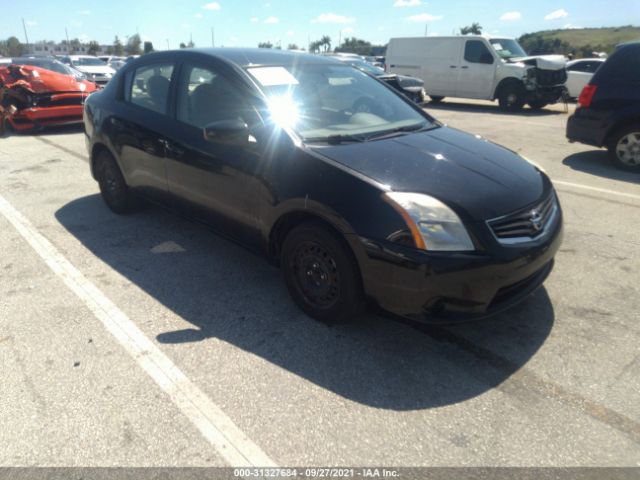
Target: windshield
x,y
88,62
46,64
324,101
507,48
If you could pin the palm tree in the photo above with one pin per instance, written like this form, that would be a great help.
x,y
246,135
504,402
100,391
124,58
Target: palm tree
x,y
326,42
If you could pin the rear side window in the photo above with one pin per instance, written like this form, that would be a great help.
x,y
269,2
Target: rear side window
x,y
476,51
150,87
623,67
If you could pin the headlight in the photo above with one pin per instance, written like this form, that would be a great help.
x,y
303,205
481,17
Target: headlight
x,y
434,226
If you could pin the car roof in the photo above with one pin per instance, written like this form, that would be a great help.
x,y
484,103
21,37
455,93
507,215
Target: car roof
x,y
244,57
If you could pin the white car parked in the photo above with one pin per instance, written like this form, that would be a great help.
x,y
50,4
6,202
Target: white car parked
x,y
95,69
580,73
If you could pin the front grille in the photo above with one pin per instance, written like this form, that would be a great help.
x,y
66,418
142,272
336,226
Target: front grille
x,y
61,99
526,224
550,78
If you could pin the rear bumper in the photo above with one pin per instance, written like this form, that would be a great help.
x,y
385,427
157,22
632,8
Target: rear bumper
x,y
450,288
588,127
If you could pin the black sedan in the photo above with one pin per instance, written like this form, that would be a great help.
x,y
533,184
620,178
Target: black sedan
x,y
410,86
270,149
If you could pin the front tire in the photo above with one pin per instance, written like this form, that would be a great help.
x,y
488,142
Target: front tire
x,y
321,274
511,98
436,99
624,148
113,187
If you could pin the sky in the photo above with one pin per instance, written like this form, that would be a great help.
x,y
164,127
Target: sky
x,y
244,23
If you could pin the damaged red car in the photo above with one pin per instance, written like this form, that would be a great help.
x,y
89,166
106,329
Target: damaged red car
x,y
33,97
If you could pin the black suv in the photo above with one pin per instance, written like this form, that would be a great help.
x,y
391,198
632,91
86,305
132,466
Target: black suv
x,y
608,113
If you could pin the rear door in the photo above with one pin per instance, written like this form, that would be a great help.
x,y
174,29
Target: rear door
x,y
476,76
139,128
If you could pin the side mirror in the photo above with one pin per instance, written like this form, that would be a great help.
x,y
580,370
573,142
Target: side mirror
x,y
486,58
233,133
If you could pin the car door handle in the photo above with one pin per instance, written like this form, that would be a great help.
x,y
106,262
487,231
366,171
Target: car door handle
x,y
465,68
452,66
171,148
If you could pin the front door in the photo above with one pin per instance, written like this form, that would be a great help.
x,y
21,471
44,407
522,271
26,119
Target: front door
x,y
477,71
219,184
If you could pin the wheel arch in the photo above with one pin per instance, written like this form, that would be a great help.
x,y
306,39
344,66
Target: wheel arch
x,y
96,150
619,125
506,82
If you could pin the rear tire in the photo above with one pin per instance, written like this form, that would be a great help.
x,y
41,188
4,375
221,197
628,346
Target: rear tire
x,y
511,97
624,148
321,274
436,99
114,189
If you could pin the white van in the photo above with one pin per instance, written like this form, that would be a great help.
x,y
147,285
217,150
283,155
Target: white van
x,y
480,67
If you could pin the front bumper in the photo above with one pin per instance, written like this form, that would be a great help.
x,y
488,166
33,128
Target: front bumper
x,y
37,117
456,287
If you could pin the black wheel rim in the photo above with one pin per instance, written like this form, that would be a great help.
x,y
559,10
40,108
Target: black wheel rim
x,y
111,182
315,273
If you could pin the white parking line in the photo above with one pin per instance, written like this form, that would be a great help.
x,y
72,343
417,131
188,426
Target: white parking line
x,y
230,442
596,189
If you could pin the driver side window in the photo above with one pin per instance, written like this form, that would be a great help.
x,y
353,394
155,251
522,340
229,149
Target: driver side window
x,y
204,97
476,51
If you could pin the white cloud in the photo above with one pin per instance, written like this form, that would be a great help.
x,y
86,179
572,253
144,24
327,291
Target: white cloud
x,y
424,17
555,15
290,33
407,3
332,18
185,25
75,23
272,20
347,30
511,16
84,12
571,26
31,23
198,16
211,6
254,20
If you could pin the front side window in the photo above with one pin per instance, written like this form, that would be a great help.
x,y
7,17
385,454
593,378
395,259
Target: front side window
x,y
150,87
476,51
324,100
205,97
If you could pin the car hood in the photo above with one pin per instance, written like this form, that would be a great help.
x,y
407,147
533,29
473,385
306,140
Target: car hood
x,y
470,174
41,80
545,62
95,69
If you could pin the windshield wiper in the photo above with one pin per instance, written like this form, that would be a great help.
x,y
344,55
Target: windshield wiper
x,y
336,139
420,127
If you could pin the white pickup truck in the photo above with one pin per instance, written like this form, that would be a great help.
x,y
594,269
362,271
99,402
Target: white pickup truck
x,y
480,67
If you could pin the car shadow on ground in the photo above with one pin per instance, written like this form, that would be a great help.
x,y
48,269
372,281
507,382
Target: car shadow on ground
x,y
460,106
228,293
44,132
597,162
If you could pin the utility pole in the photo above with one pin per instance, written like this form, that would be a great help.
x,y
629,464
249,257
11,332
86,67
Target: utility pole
x,y
213,37
339,38
66,34
168,47
426,30
24,26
